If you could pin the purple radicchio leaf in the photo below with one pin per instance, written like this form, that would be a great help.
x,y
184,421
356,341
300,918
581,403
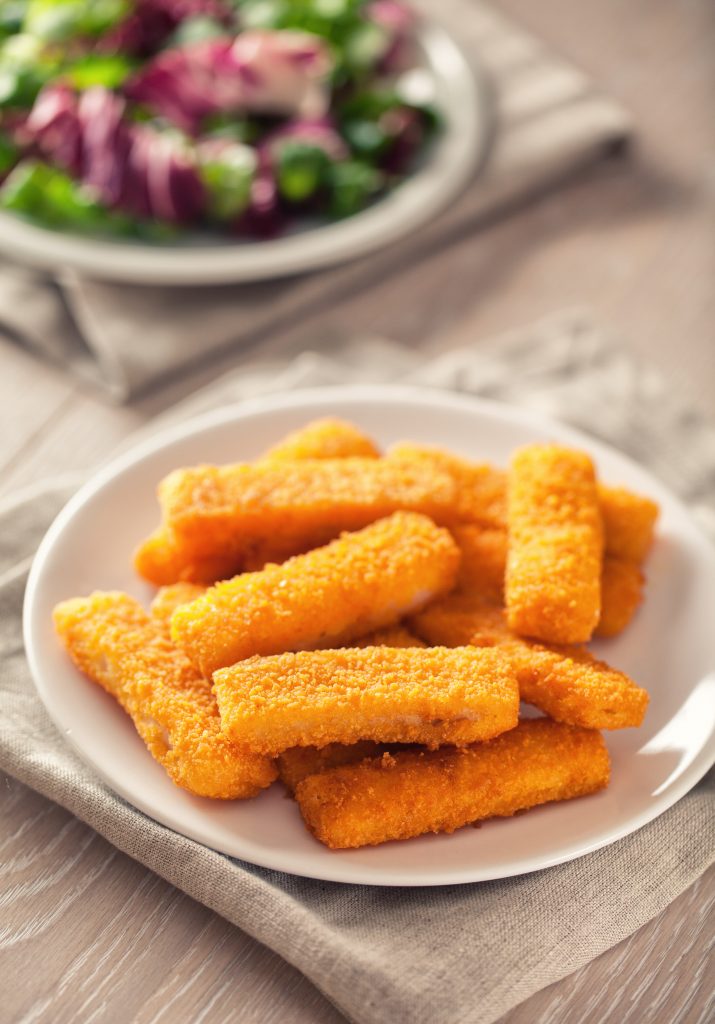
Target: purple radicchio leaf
x,y
257,72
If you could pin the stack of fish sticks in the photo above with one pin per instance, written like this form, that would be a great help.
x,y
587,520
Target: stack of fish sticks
x,y
366,626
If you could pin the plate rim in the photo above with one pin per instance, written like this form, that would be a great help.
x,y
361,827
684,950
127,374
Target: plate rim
x,y
376,394
458,155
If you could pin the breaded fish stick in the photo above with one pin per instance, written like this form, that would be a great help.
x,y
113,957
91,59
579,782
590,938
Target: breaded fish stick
x,y
324,439
360,582
221,515
402,795
566,683
622,584
391,695
113,641
555,553
298,763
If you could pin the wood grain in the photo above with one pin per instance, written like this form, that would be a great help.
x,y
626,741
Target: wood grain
x,y
86,934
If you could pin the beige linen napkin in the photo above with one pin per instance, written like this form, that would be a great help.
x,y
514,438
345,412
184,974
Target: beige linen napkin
x,y
428,956
549,120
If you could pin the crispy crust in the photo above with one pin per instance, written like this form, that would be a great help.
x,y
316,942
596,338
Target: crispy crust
x,y
389,695
114,642
622,584
555,552
324,439
566,683
402,795
326,598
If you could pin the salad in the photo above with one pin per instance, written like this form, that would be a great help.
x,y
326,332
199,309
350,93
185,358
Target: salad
x,y
153,117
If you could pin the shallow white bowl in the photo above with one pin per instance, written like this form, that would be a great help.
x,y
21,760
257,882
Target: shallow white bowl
x,y
462,99
669,648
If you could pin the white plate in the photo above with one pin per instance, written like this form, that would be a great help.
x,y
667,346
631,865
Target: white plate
x,y
669,649
462,99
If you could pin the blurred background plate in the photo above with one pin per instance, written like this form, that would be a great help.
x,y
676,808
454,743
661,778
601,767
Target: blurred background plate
x,y
461,97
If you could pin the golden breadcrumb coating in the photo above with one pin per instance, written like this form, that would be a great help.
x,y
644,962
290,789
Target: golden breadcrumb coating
x,y
113,641
628,522
407,794
360,582
324,439
555,552
168,599
298,763
390,636
566,683
483,564
392,695
622,584
481,488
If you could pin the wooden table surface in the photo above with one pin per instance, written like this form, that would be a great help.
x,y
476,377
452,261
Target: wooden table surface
x,y
86,934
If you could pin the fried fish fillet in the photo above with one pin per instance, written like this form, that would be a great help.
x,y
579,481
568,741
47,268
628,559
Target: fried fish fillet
x,y
217,517
326,598
407,794
391,695
327,438
566,683
555,551
112,640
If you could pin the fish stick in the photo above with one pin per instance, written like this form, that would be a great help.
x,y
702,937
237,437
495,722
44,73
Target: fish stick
x,y
298,763
168,599
326,598
555,552
113,641
323,439
402,795
387,694
566,683
622,584
628,522
219,516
